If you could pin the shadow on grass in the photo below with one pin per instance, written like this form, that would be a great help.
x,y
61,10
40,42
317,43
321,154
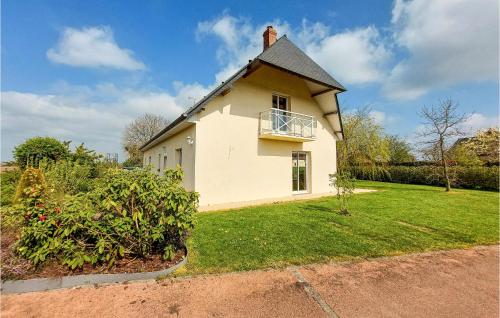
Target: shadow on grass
x,y
397,187
386,185
315,207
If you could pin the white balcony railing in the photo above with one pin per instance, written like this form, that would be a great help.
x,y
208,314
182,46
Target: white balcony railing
x,y
287,125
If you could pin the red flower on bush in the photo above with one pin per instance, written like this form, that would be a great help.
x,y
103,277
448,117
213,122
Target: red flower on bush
x,y
42,218
57,210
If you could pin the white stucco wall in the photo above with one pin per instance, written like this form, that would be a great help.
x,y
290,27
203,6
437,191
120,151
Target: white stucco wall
x,y
232,164
169,147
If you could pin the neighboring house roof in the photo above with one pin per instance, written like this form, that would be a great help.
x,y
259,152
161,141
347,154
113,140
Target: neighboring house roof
x,y
284,55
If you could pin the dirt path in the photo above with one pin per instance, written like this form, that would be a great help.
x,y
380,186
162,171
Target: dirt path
x,y
442,284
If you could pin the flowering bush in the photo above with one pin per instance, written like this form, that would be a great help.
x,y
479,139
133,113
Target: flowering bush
x,y
129,213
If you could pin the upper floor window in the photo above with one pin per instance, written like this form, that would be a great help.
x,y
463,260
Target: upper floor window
x,y
281,102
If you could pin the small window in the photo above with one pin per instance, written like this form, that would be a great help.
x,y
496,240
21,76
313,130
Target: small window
x,y
149,161
159,162
178,154
165,162
281,102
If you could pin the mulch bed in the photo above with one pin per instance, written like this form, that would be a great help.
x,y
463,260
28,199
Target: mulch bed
x,y
15,268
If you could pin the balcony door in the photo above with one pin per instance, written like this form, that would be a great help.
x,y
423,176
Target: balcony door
x,y
299,172
280,116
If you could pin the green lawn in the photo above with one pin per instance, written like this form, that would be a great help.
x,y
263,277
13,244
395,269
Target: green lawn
x,y
397,219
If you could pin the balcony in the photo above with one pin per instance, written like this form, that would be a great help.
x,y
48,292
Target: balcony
x,y
284,125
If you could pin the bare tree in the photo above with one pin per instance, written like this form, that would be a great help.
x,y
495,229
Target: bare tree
x,y
442,123
138,132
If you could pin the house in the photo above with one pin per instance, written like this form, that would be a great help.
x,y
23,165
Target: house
x,y
269,131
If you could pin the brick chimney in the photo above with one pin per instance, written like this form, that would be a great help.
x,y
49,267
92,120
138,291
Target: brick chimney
x,y
269,36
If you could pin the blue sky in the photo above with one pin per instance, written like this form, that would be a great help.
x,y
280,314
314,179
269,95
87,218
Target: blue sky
x,y
82,70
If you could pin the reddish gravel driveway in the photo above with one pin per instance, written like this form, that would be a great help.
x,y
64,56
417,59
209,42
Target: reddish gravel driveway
x,y
459,283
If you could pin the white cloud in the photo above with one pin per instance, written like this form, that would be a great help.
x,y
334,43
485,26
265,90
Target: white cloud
x,y
355,56
381,118
479,121
442,42
448,42
94,115
241,40
92,47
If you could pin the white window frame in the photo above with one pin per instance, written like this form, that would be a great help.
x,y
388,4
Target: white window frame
x,y
308,181
287,97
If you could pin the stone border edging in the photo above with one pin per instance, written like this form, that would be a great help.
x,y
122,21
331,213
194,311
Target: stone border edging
x,y
42,284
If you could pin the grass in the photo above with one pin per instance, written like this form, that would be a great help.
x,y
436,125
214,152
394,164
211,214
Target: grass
x,y
395,220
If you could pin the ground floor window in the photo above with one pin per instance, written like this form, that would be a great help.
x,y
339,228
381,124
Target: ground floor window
x,y
299,171
178,154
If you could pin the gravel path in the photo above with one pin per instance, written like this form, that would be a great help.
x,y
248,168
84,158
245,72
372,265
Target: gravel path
x,y
458,283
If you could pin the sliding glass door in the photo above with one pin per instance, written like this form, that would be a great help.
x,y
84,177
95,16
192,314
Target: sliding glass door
x,y
299,171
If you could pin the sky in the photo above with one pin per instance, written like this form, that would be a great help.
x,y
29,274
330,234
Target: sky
x,y
83,70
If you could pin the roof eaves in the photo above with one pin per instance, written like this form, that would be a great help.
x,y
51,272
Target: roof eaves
x,y
199,105
164,130
341,88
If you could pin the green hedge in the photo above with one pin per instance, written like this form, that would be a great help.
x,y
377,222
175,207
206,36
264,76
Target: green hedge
x,y
476,177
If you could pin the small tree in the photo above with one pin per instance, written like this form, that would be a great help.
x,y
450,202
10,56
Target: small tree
x,y
138,132
441,122
344,184
35,149
84,155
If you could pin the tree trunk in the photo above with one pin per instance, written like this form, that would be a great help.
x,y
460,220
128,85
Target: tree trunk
x,y
445,165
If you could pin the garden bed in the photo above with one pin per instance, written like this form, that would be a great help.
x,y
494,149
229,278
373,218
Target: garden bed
x,y
14,267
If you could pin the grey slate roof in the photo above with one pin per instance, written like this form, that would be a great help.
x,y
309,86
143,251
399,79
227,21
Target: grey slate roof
x,y
284,55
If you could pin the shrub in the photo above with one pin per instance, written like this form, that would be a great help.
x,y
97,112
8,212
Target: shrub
x,y
68,177
129,213
35,149
8,183
344,184
83,155
32,180
132,163
475,177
